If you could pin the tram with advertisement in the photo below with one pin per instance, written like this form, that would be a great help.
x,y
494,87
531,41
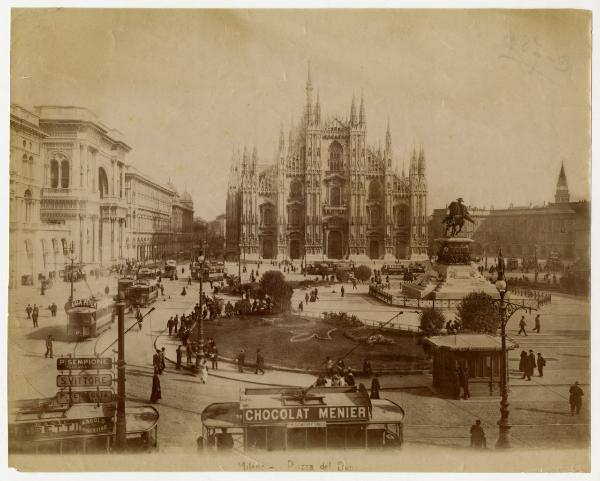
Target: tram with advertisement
x,y
89,317
43,426
208,271
292,418
142,293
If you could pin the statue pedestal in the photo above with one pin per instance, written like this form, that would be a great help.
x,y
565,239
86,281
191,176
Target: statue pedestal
x,y
459,276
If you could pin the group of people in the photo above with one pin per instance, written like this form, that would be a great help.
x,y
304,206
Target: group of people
x,y
340,375
523,324
528,363
259,365
33,313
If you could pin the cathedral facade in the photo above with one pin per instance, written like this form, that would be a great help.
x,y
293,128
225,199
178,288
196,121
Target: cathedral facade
x,y
327,195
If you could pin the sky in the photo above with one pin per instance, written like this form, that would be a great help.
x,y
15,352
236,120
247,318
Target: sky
x,y
497,98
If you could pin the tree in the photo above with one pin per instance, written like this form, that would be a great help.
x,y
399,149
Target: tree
x,y
432,321
477,313
273,283
363,273
342,275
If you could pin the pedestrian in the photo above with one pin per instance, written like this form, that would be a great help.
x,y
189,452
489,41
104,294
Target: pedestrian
x,y
183,291
156,394
34,315
477,436
537,324
367,371
214,357
523,363
170,326
240,359
522,325
375,387
531,365
162,290
188,354
463,380
224,440
106,290
541,363
179,352
260,362
301,307
189,280
175,324
156,361
575,395
342,291
305,298
204,372
28,310
49,346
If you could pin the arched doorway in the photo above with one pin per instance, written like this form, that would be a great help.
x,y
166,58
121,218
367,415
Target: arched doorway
x,y
267,249
334,245
374,249
295,249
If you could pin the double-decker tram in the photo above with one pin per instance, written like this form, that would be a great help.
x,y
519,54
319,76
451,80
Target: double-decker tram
x,y
170,269
317,418
142,293
89,317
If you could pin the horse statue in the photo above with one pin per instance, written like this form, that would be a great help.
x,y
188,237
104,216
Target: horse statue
x,y
456,215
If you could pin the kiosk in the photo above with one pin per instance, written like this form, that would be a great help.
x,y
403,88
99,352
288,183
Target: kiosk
x,y
315,418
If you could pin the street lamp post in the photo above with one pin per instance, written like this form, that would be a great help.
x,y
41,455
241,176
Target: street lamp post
x,y
121,438
200,313
504,426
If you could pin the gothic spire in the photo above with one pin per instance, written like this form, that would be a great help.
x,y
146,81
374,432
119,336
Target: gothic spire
x,y
362,116
421,166
318,111
388,138
308,113
353,111
562,189
281,139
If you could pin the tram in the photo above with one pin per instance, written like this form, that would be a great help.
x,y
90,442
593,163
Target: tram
x,y
142,293
146,273
170,269
288,418
41,426
89,317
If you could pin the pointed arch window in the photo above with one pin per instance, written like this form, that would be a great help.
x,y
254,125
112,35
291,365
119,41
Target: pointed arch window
x,y
335,196
335,156
54,174
64,171
28,206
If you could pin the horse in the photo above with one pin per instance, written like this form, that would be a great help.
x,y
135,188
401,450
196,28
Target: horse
x,y
456,223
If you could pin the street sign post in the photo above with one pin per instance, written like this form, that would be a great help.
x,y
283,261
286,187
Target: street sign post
x,y
83,397
83,380
83,363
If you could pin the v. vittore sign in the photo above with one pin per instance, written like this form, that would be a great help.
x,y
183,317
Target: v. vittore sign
x,y
311,413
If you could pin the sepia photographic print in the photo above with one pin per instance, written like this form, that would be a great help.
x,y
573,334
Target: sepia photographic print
x,y
316,240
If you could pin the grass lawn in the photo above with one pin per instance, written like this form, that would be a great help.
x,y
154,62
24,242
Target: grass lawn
x,y
274,334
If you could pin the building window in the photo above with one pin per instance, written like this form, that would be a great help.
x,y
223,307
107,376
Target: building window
x,y
335,196
30,166
64,171
102,183
28,206
402,215
296,189
335,157
267,217
374,190
25,167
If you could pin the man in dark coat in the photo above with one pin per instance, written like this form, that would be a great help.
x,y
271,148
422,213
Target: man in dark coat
x,y
170,326
538,326
260,362
49,346
523,363
477,436
541,362
375,387
522,325
156,394
575,398
531,365
179,356
34,315
28,310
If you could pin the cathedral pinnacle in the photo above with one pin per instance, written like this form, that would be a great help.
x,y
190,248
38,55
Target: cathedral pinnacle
x,y
318,111
353,112
562,189
362,116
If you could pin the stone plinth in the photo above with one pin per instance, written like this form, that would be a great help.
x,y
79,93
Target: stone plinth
x,y
457,276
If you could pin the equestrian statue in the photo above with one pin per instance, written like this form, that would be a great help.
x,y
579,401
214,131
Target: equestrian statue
x,y
456,214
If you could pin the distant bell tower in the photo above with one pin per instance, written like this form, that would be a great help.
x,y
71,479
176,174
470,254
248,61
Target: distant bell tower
x,y
562,189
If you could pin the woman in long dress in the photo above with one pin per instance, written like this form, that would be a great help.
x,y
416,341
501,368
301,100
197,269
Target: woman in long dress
x,y
155,396
204,372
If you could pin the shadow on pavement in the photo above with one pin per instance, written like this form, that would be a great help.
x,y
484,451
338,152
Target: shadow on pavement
x,y
59,333
545,411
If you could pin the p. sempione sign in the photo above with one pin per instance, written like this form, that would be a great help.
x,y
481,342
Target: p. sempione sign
x,y
304,413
